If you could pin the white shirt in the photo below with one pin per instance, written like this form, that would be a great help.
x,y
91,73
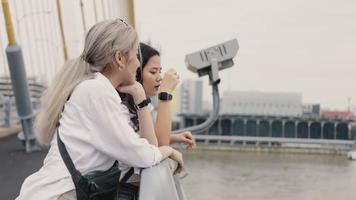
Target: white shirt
x,y
136,176
96,132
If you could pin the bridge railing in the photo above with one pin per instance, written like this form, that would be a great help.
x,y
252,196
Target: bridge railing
x,y
274,141
8,112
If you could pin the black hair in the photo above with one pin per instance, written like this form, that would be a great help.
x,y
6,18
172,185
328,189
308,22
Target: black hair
x,y
145,53
129,102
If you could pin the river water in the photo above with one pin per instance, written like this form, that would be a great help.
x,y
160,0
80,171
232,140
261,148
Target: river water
x,y
268,176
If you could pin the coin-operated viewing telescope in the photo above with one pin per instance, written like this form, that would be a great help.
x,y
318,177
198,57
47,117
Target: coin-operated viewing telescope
x,y
213,59
210,61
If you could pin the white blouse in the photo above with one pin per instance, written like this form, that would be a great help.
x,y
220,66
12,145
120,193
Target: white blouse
x,y
95,130
136,176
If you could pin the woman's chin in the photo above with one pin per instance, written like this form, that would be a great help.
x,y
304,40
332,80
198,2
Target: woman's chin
x,y
129,82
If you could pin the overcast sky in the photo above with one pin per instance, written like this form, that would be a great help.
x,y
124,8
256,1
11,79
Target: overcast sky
x,y
305,46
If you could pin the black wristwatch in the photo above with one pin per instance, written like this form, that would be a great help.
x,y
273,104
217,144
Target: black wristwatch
x,y
165,96
143,103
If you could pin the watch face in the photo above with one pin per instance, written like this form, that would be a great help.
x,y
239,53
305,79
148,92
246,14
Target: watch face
x,y
164,96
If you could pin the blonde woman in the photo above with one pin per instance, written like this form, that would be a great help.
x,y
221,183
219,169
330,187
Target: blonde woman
x,y
79,111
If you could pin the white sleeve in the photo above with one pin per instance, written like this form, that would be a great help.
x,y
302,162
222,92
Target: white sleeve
x,y
153,112
113,136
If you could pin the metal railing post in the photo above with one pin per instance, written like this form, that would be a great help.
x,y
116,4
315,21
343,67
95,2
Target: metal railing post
x,y
19,83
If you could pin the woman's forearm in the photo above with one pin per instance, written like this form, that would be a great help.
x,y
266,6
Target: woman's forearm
x,y
163,125
146,125
173,138
166,151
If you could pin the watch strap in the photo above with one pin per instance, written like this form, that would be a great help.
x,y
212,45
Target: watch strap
x,y
165,96
143,103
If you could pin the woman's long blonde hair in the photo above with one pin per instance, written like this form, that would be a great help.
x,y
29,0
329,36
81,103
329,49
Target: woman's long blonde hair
x,y
102,41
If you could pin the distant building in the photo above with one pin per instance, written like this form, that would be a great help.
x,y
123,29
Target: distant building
x,y
272,114
207,106
311,109
191,96
337,114
262,103
354,113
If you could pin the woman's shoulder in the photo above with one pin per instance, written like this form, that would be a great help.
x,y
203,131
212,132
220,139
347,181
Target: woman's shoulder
x,y
94,88
90,85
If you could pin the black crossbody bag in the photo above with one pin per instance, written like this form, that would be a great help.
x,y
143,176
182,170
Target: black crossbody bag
x,y
96,185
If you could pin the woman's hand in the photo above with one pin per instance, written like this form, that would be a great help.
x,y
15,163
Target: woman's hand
x,y
178,157
184,137
135,90
169,81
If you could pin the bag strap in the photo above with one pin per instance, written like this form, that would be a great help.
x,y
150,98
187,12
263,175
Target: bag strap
x,y
76,175
126,177
67,160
